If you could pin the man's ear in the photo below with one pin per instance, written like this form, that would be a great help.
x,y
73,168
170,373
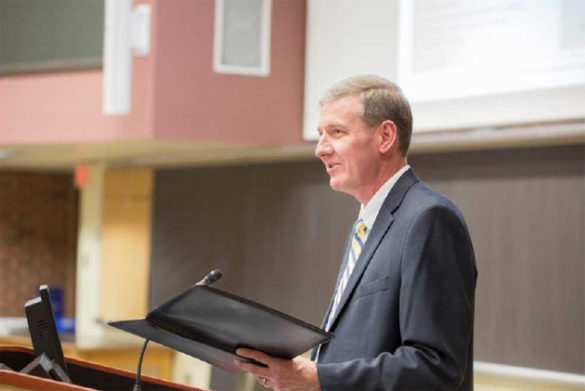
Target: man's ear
x,y
387,136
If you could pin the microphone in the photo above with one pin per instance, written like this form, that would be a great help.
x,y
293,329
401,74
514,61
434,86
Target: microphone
x,y
210,278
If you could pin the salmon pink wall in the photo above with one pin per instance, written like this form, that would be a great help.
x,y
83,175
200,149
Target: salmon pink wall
x,y
175,93
66,107
193,102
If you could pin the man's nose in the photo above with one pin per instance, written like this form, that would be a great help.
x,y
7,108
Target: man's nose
x,y
323,147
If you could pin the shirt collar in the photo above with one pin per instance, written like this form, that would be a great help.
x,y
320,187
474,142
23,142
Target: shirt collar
x,y
369,212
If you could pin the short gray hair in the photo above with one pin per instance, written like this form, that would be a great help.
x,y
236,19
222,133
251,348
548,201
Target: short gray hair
x,y
381,100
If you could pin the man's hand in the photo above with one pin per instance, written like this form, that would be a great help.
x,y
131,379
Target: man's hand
x,y
281,375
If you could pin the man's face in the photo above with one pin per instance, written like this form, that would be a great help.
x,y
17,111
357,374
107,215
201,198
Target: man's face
x,y
348,148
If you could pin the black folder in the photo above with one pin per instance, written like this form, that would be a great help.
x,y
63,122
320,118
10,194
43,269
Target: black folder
x,y
210,324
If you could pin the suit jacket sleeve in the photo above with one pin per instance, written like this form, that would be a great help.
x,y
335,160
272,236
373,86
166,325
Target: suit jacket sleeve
x,y
435,313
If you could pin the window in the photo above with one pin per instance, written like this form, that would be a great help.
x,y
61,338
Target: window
x,y
242,37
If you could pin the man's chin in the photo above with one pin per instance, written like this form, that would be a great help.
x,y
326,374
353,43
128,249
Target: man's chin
x,y
335,184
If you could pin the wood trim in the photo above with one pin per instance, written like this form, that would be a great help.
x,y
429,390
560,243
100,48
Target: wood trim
x,y
25,380
29,382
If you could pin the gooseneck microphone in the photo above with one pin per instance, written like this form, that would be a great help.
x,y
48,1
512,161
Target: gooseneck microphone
x,y
137,385
210,278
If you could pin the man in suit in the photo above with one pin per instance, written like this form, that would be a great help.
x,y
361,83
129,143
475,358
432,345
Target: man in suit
x,y
402,311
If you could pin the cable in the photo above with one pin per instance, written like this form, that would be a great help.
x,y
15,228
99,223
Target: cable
x,y
137,386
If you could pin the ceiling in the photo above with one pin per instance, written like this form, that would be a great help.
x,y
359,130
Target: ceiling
x,y
64,157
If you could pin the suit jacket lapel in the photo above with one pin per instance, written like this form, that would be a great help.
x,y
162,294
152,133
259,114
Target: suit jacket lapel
x,y
381,225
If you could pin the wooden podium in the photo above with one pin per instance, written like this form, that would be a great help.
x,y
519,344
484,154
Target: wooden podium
x,y
85,376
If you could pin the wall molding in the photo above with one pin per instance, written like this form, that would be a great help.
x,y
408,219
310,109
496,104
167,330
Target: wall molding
x,y
508,372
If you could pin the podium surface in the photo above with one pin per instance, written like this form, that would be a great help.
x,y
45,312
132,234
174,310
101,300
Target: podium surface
x,y
113,350
85,376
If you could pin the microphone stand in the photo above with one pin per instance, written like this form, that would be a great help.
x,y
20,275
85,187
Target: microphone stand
x,y
137,386
210,278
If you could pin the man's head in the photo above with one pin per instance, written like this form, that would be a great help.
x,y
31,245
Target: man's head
x,y
381,100
364,126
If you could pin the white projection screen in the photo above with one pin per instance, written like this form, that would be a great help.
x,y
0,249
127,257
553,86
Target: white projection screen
x,y
462,63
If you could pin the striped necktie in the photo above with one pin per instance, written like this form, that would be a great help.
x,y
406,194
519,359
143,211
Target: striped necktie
x,y
357,243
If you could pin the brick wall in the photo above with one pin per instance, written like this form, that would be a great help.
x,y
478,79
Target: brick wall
x,y
38,235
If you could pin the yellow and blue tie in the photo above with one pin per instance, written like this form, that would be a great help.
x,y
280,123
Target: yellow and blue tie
x,y
357,243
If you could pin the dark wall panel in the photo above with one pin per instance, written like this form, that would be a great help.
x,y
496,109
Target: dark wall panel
x,y
56,35
278,232
526,213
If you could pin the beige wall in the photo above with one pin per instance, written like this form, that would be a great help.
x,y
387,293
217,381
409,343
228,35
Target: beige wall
x,y
126,243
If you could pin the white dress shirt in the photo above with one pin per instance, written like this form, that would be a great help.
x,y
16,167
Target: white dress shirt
x,y
369,212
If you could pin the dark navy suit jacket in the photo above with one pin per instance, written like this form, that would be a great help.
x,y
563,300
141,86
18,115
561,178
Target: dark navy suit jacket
x,y
405,320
